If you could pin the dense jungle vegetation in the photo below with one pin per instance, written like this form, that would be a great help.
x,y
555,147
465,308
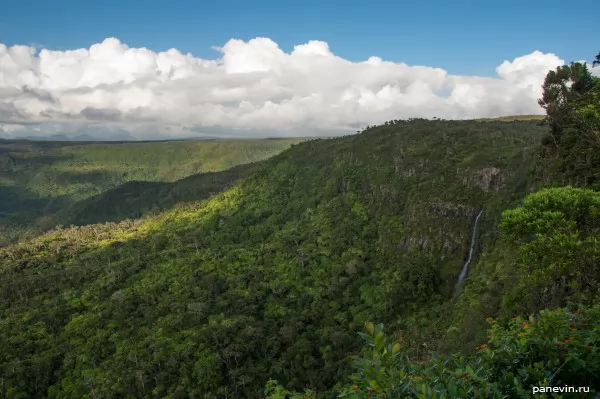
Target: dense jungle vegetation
x,y
260,289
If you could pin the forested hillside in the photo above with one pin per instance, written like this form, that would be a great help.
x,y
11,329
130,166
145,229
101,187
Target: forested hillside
x,y
272,277
260,290
39,179
528,318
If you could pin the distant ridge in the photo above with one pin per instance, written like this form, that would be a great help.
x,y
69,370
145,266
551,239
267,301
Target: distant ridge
x,y
514,118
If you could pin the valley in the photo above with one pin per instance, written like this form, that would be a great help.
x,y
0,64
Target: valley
x,y
45,184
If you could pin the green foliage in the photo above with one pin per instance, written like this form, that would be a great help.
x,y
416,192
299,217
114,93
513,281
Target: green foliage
x,y
135,199
386,371
275,391
552,349
571,98
268,278
557,237
555,348
546,257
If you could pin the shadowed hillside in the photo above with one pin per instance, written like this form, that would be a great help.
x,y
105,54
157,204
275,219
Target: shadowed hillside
x,y
134,199
38,179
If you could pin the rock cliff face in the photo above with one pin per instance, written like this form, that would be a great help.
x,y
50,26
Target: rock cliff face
x,y
436,226
449,209
487,178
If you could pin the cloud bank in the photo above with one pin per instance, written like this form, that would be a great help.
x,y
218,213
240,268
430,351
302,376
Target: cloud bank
x,y
253,87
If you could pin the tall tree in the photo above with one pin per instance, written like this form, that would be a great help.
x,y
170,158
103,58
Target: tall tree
x,y
571,98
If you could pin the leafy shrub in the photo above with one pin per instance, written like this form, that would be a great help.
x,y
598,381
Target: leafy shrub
x,y
556,234
554,348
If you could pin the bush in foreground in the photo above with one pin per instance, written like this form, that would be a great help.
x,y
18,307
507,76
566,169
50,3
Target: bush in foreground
x,y
554,348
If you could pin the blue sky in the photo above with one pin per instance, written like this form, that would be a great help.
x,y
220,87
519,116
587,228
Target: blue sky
x,y
464,37
150,93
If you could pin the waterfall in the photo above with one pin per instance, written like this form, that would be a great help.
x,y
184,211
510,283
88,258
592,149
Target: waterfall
x,y
465,267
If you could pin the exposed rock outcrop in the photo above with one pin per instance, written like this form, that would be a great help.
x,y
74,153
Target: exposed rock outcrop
x,y
488,179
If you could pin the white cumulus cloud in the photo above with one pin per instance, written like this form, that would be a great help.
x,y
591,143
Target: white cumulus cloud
x,y
254,86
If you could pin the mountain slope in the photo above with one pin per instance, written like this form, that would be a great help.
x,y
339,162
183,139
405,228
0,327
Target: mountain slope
x,y
38,179
270,278
136,198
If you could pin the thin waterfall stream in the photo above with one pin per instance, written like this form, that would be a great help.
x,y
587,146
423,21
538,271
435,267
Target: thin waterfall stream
x,y
465,268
